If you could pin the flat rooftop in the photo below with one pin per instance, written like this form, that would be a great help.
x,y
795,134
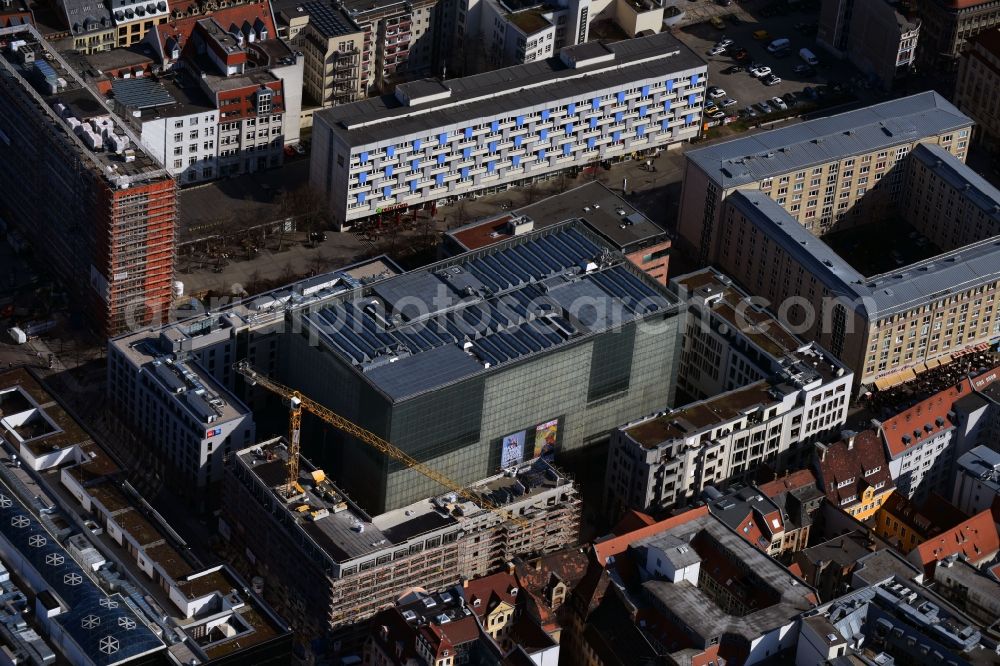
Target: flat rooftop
x,y
772,595
880,295
506,90
471,314
81,103
767,154
103,627
175,94
28,411
345,532
729,303
529,21
603,211
689,419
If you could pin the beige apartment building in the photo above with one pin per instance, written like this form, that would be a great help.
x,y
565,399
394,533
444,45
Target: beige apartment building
x,y
978,81
884,327
331,43
828,174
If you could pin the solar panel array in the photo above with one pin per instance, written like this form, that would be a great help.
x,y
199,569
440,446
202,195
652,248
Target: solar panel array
x,y
329,21
103,627
141,93
505,304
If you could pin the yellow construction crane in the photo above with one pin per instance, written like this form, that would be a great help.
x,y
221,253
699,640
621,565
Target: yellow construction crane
x,y
298,402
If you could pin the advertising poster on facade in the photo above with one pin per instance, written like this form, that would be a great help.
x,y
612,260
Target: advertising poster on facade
x,y
512,449
546,436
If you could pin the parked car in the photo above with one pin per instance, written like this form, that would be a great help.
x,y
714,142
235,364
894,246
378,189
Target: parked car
x,y
764,107
714,115
733,18
749,112
760,71
717,23
790,99
771,80
724,3
728,102
809,93
732,69
804,70
740,55
725,41
317,236
779,103
761,35
716,50
716,93
809,57
779,45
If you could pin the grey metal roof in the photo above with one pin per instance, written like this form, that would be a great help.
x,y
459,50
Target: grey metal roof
x,y
505,90
104,627
976,189
328,21
765,155
83,16
432,327
880,295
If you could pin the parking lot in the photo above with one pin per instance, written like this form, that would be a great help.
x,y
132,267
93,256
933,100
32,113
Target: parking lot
x,y
797,26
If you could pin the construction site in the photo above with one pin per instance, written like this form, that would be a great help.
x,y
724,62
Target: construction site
x,y
329,566
115,246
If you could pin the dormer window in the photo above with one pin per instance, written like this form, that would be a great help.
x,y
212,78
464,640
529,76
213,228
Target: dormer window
x,y
873,470
845,482
475,602
513,592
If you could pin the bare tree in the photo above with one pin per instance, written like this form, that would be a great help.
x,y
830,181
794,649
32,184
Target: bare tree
x,y
254,283
287,273
530,193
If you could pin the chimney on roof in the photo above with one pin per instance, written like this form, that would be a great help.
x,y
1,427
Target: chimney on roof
x,y
821,450
465,583
538,564
850,442
510,568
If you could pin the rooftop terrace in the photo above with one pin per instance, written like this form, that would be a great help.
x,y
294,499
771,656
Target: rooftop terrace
x,y
102,137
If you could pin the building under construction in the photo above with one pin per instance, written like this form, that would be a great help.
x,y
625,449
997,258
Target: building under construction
x,y
78,185
329,565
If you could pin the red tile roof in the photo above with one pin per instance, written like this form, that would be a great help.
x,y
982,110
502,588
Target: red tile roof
x,y
618,544
631,521
976,538
794,481
490,591
933,517
181,29
929,417
853,463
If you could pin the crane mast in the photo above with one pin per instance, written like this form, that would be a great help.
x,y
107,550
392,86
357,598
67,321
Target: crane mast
x,y
299,402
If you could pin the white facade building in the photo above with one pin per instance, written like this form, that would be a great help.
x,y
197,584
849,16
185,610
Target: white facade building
x,y
190,418
185,144
772,396
437,140
925,441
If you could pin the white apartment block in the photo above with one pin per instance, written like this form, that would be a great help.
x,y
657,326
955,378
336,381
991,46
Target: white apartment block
x,y
442,140
772,396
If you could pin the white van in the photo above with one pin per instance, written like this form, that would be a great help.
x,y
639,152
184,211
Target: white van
x,y
778,45
809,57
